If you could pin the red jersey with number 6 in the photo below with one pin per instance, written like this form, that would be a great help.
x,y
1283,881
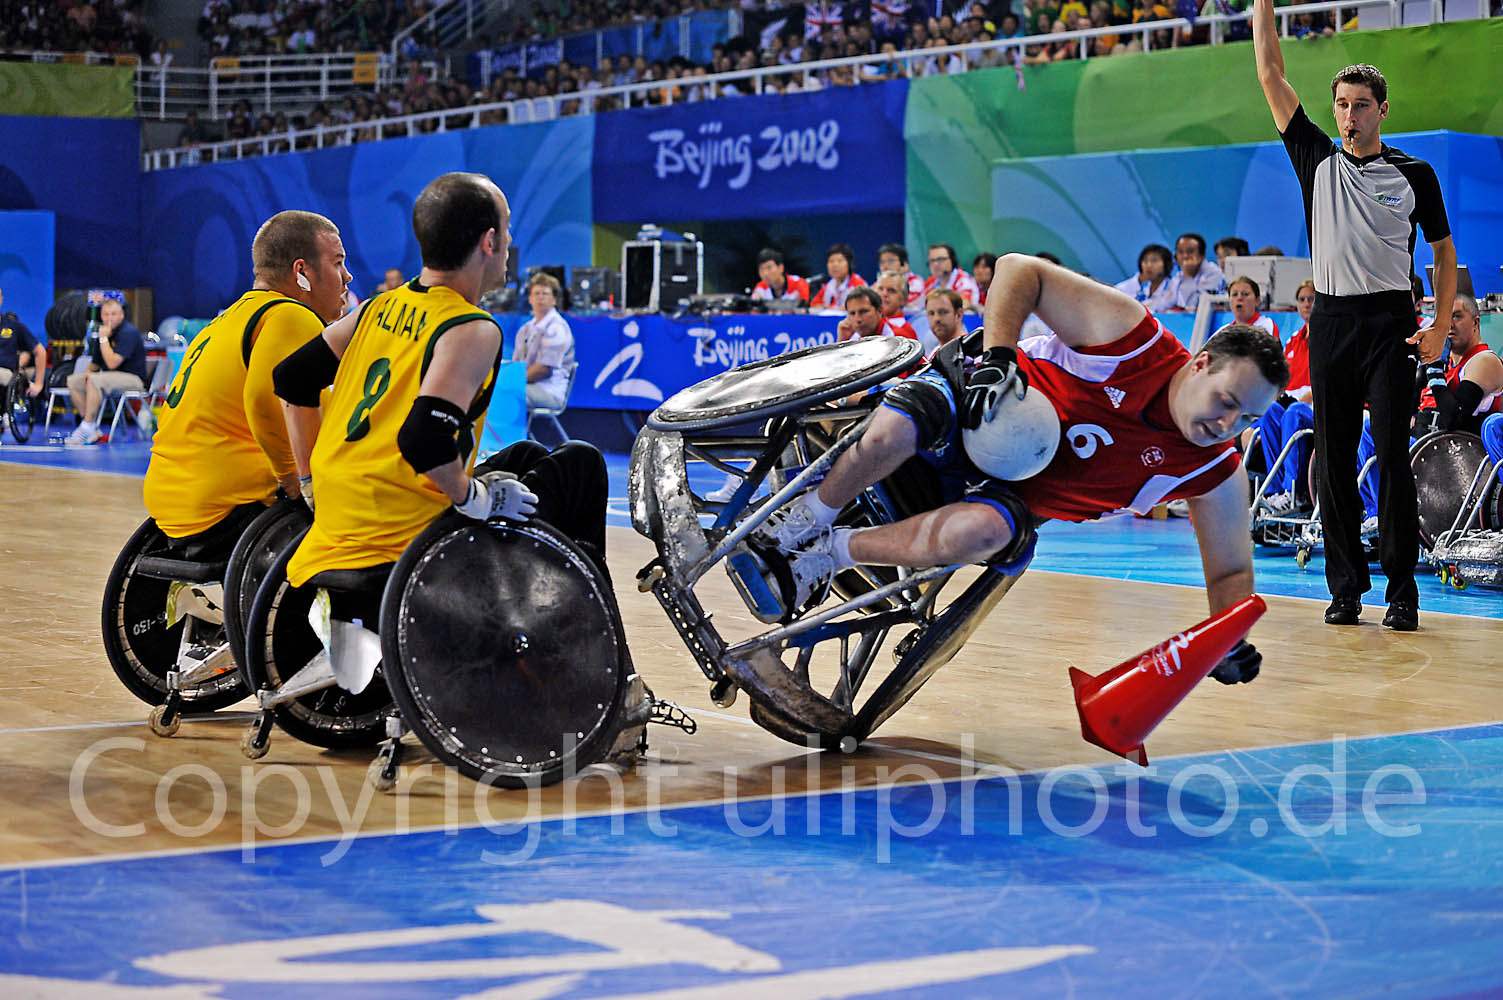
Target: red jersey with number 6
x,y
1119,448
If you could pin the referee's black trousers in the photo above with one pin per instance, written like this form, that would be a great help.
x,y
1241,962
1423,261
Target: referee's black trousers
x,y
1358,354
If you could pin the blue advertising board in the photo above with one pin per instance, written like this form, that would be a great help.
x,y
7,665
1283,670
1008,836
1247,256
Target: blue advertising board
x,y
837,150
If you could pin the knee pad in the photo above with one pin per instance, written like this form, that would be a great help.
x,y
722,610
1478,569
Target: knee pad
x,y
930,406
1000,498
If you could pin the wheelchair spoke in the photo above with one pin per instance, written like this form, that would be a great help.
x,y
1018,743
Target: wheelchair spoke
x,y
853,670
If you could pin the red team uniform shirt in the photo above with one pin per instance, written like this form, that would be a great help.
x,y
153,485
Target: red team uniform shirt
x,y
1119,448
957,281
1489,404
797,288
832,293
1297,354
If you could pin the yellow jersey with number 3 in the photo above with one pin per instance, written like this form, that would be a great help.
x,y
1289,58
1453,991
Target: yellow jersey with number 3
x,y
369,502
221,439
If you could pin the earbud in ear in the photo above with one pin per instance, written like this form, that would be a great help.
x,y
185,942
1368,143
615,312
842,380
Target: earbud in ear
x,y
302,282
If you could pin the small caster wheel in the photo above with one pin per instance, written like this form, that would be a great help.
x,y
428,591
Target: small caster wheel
x,y
651,575
1302,558
723,693
257,739
381,775
164,723
1454,578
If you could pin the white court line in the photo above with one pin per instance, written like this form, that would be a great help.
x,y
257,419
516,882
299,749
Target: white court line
x,y
210,717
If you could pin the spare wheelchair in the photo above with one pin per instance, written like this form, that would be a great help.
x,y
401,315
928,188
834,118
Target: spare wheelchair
x,y
1460,502
784,418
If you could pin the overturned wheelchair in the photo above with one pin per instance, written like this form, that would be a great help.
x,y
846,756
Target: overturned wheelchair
x,y
784,418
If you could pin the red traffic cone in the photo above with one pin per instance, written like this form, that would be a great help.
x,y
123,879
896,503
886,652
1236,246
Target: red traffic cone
x,y
1119,708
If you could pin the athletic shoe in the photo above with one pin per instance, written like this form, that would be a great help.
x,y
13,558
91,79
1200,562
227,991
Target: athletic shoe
x,y
1179,508
789,527
83,434
1343,611
813,570
1403,616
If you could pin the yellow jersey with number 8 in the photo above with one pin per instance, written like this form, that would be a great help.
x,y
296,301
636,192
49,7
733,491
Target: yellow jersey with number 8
x,y
221,440
369,502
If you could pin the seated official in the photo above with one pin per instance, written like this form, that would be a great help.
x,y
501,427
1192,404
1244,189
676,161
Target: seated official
x,y
20,353
840,260
546,344
776,282
892,289
412,375
1151,285
894,257
863,318
117,363
945,272
221,449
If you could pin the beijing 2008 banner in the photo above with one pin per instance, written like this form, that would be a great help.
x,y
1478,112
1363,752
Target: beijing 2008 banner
x,y
833,150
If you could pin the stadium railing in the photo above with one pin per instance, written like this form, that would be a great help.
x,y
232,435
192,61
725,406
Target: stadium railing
x,y
267,83
909,63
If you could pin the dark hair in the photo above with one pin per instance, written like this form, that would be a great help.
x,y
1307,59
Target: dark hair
x,y
1362,74
844,249
1236,243
1243,279
985,257
864,292
1199,241
450,216
1242,341
898,250
1269,251
1051,258
286,238
1164,254
954,259
769,254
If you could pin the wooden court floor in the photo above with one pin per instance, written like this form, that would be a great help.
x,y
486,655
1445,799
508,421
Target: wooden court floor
x,y
84,777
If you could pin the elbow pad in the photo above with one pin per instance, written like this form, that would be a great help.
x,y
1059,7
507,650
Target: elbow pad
x,y
427,437
1447,410
1468,397
303,374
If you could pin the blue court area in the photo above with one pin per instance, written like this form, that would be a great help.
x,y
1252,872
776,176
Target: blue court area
x,y
1118,548
1346,869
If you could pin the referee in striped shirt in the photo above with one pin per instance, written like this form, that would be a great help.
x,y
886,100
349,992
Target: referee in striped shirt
x,y
1363,203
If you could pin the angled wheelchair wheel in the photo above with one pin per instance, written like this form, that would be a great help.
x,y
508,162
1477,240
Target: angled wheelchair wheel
x,y
18,408
255,551
788,382
1445,467
280,642
504,651
141,646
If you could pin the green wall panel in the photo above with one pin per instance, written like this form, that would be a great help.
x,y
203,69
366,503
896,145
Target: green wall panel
x,y
66,91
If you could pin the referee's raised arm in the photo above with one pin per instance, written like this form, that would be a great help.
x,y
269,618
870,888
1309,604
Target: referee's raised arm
x,y
1282,100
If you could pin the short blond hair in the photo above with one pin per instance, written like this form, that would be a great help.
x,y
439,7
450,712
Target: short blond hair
x,y
288,237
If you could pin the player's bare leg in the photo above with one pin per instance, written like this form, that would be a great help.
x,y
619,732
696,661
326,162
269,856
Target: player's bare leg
x,y
955,533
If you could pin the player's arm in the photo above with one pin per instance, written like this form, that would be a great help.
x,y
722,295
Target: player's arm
x,y
1282,100
285,329
39,372
1482,376
462,359
298,380
1081,312
1432,339
1220,520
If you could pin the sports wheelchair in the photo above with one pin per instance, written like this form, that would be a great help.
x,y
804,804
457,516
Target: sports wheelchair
x,y
163,621
783,416
1460,508
1299,529
498,645
19,415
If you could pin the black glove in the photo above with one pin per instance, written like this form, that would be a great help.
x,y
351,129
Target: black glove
x,y
1286,400
1240,665
990,377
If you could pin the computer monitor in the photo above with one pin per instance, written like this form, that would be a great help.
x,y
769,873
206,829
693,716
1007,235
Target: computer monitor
x,y
592,287
1463,280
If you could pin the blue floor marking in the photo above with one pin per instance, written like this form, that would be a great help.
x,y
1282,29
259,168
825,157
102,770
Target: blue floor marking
x,y
1404,898
1118,548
